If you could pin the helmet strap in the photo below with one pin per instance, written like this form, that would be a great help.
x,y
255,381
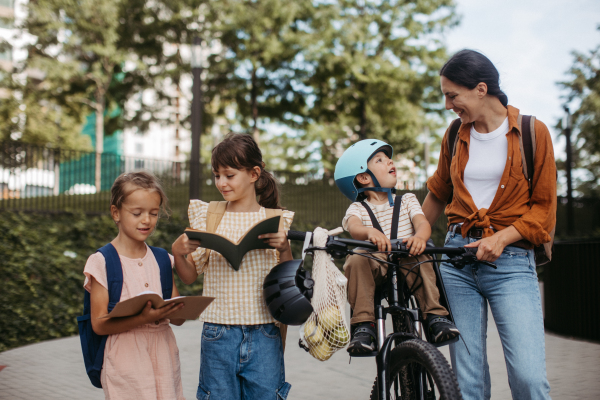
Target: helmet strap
x,y
378,188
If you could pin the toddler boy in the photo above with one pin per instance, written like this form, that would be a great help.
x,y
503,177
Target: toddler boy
x,y
366,175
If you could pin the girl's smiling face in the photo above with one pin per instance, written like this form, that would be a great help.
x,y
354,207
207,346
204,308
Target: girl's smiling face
x,y
138,214
464,102
236,184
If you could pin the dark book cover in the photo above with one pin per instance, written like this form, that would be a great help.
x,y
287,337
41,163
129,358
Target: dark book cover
x,y
234,252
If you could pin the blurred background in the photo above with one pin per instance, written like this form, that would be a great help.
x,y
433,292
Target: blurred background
x,y
91,89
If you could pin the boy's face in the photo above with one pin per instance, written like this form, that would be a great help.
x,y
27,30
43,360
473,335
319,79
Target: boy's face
x,y
384,170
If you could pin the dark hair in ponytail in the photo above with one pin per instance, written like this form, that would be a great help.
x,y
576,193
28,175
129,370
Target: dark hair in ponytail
x,y
240,151
468,68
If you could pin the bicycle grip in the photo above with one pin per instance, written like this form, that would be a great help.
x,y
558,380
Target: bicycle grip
x,y
296,235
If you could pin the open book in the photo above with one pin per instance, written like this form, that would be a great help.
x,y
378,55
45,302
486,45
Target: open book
x,y
234,252
194,305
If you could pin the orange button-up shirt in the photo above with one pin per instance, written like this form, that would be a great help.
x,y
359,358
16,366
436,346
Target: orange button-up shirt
x,y
511,205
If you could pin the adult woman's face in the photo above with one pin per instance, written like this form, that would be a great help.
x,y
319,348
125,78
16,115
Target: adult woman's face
x,y
466,103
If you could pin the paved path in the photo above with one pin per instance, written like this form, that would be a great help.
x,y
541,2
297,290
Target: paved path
x,y
54,370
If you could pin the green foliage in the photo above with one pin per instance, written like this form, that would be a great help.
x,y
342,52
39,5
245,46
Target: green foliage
x,y
41,285
376,72
585,88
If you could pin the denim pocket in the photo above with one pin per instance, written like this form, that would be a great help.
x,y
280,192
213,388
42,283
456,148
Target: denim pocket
x,y
514,251
212,332
202,393
448,237
270,331
282,392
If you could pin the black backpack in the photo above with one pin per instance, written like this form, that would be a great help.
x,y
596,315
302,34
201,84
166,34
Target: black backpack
x,y
543,253
92,345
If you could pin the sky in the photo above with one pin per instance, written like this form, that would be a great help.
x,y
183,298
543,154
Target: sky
x,y
530,43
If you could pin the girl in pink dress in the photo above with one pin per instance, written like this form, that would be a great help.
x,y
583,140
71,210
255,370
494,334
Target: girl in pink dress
x,y
141,359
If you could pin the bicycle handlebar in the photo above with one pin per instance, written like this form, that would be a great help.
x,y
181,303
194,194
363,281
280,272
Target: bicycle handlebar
x,y
397,245
460,256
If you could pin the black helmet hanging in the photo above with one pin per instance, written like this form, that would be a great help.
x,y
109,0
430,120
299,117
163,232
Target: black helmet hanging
x,y
288,290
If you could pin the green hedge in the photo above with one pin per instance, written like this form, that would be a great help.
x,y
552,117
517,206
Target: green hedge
x,y
40,285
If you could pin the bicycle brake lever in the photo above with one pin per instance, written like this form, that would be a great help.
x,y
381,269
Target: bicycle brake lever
x,y
470,253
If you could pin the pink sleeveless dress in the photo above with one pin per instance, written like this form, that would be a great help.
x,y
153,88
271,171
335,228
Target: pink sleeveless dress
x,y
142,363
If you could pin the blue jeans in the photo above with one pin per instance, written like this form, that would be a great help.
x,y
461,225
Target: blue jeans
x,y
241,362
513,294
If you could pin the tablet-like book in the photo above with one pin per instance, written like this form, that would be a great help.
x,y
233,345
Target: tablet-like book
x,y
194,305
234,252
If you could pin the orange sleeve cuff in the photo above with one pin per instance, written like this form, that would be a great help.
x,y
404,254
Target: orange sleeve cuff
x,y
438,187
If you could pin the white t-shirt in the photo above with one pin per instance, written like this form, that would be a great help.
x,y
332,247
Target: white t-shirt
x,y
383,212
487,160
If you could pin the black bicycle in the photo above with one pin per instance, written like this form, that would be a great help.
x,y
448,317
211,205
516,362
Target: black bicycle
x,y
408,367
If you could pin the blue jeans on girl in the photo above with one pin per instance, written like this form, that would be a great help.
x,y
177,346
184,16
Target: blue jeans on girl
x,y
241,362
513,294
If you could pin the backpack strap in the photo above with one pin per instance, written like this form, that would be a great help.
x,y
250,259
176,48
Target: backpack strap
x,y
395,218
453,137
452,140
114,274
527,144
273,212
166,271
214,215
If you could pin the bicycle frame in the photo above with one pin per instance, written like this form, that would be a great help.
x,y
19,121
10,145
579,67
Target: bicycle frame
x,y
397,305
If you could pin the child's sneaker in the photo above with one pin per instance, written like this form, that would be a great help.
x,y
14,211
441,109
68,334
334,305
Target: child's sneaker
x,y
441,330
363,339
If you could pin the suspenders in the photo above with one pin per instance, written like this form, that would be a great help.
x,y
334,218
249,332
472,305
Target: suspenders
x,y
395,218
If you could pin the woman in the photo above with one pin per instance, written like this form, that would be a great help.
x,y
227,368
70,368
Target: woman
x,y
491,209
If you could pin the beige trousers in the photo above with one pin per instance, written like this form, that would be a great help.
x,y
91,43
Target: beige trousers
x,y
365,274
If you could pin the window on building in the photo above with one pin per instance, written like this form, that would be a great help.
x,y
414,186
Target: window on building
x,y
139,148
138,164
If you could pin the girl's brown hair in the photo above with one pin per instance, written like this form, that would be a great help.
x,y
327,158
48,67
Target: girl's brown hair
x,y
129,182
240,151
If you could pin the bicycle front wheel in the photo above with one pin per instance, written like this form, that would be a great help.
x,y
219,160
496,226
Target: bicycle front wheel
x,y
417,367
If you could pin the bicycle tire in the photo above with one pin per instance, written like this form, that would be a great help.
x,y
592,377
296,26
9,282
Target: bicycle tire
x,y
413,355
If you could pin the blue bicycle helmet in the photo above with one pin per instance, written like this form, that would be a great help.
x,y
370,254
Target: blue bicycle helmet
x,y
354,161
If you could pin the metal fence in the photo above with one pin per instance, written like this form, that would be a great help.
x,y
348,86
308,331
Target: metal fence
x,y
53,180
572,290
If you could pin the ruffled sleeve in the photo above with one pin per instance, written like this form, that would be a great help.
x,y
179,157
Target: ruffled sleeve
x,y
288,218
95,267
197,217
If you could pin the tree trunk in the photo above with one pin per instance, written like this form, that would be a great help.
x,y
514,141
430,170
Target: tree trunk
x,y
99,140
254,105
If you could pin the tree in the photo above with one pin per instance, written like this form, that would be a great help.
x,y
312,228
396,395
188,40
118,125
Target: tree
x,y
259,69
376,71
585,88
95,56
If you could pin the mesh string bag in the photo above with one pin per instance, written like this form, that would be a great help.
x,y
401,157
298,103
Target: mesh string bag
x,y
326,330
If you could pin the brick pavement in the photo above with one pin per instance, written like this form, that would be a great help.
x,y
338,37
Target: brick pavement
x,y
54,370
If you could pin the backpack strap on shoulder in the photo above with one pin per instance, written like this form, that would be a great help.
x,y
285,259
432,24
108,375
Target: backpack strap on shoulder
x,y
527,142
214,215
114,274
166,271
273,212
452,139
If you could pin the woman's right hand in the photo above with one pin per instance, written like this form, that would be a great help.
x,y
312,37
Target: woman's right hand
x,y
183,245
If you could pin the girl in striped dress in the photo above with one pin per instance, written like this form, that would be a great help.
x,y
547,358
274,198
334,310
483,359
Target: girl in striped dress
x,y
242,349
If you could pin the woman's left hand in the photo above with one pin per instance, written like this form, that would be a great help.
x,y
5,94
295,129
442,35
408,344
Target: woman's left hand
x,y
490,248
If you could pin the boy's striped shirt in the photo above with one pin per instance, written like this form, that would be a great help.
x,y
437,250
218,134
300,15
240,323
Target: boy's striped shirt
x,y
410,207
